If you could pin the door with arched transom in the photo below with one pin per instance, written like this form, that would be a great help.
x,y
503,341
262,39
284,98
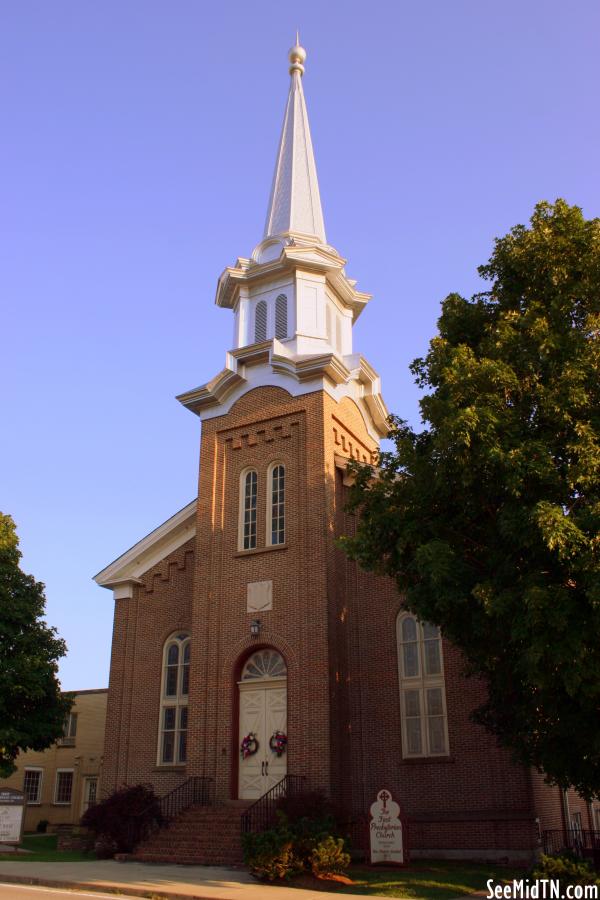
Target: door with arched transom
x,y
263,715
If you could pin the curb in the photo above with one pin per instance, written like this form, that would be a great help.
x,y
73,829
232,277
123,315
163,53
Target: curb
x,y
118,890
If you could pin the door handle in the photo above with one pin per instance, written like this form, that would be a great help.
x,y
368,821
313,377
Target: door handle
x,y
262,768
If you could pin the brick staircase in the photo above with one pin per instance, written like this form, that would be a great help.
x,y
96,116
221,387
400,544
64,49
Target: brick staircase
x,y
205,835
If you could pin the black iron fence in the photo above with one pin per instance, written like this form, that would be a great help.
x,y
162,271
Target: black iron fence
x,y
261,815
582,843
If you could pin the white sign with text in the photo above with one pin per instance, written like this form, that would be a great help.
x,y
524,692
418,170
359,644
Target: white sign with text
x,y
11,818
386,830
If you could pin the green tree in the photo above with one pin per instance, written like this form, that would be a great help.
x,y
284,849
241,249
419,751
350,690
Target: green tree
x,y
489,518
32,709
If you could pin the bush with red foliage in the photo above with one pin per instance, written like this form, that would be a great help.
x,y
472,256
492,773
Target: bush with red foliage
x,y
122,820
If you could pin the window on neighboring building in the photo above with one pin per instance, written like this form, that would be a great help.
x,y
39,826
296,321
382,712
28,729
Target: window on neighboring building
x,y
248,504
69,731
422,691
32,785
174,705
90,793
63,788
260,321
281,317
276,504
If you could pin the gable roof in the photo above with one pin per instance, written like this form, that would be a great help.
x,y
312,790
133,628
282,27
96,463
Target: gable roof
x,y
153,548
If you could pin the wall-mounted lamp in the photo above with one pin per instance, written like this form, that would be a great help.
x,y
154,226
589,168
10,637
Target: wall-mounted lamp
x,y
255,628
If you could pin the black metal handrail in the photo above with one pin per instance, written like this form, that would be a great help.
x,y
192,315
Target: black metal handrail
x,y
196,790
583,843
261,814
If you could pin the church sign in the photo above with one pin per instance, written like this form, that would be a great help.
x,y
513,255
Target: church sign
x,y
12,815
386,832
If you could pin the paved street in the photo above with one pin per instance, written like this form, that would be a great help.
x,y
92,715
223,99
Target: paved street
x,y
103,878
28,892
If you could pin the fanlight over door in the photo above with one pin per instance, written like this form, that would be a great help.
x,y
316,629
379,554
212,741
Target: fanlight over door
x,y
264,664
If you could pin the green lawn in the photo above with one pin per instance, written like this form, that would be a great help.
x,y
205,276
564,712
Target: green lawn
x,y
426,880
43,849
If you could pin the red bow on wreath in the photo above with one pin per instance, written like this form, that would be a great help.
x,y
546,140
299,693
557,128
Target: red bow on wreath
x,y
278,742
249,745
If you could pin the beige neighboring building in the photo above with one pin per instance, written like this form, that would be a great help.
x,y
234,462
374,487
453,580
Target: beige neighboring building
x,y
62,781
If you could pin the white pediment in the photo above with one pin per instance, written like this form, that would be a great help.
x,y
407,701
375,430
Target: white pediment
x,y
127,569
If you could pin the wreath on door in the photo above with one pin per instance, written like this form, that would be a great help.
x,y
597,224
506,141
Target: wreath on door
x,y
278,742
249,745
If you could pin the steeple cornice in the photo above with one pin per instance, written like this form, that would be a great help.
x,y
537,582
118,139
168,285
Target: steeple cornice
x,y
313,258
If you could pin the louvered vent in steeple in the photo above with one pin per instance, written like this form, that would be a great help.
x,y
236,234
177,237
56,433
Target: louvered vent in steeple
x,y
281,323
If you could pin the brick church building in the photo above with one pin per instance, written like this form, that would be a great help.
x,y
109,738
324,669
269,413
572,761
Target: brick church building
x,y
239,624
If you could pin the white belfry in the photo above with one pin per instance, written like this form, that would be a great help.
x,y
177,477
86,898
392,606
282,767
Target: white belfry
x,y
295,203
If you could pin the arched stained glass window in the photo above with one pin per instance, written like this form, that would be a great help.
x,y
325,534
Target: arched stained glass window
x,y
173,710
422,688
264,664
260,322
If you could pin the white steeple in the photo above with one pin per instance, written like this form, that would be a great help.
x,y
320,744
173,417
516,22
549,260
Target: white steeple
x,y
293,304
295,202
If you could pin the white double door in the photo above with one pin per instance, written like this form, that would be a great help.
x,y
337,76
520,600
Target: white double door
x,y
263,711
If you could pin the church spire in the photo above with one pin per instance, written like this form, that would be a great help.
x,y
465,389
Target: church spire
x,y
295,203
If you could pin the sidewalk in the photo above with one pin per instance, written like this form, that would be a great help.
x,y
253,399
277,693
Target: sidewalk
x,y
154,881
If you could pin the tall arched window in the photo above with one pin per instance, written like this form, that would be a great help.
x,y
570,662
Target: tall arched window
x,y
260,322
248,502
276,504
422,690
172,748
281,317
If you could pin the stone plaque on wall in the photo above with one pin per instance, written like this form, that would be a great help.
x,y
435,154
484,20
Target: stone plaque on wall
x,y
260,596
12,813
387,839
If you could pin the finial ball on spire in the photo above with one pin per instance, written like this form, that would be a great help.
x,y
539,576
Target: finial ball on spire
x,y
297,58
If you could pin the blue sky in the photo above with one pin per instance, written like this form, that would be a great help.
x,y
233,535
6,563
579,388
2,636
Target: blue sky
x,y
138,145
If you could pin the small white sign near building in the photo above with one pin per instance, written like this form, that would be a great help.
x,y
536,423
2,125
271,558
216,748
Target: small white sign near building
x,y
387,839
12,814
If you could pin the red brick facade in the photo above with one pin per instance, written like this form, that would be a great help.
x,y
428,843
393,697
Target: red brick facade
x,y
336,628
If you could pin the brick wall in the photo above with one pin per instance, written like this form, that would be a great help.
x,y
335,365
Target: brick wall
x,y
266,425
473,798
161,605
335,626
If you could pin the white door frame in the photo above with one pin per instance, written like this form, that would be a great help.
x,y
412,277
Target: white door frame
x,y
264,753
